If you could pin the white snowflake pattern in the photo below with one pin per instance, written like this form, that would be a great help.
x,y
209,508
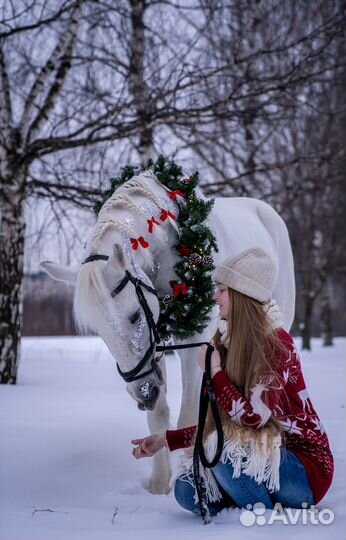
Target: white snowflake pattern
x,y
318,425
290,427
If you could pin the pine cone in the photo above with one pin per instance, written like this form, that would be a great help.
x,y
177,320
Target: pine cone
x,y
208,260
196,259
166,300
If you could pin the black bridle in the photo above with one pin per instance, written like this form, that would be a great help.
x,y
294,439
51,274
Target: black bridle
x,y
135,373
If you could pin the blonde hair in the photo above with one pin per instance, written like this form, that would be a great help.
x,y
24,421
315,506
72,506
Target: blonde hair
x,y
253,352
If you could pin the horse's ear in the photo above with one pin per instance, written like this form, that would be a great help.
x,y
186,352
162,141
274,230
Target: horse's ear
x,y
119,255
58,272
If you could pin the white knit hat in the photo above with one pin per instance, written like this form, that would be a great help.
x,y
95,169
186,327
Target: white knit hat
x,y
253,273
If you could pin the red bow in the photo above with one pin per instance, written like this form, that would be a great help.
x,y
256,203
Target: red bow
x,y
165,214
180,289
151,223
174,194
184,250
140,240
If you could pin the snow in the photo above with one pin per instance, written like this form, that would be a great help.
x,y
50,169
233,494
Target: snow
x,y
67,472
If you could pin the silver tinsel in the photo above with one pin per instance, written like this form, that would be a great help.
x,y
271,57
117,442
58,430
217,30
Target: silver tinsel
x,y
151,209
136,269
170,205
137,342
114,320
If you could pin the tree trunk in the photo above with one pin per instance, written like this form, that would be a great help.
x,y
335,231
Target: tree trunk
x,y
138,84
306,325
326,318
12,232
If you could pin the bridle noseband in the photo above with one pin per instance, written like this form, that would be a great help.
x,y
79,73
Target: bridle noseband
x,y
134,374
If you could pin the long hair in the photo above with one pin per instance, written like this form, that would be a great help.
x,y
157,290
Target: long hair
x,y
253,352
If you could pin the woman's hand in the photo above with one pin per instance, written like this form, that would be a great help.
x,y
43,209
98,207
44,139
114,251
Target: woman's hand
x,y
148,446
215,359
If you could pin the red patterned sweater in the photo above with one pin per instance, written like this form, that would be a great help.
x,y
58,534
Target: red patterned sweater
x,y
304,433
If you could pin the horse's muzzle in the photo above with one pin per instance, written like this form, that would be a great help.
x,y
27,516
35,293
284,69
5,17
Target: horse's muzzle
x,y
148,401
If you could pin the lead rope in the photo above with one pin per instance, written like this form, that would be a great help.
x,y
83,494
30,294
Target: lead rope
x,y
199,458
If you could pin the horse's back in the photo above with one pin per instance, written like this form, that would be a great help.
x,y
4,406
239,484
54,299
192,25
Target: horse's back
x,y
243,222
240,223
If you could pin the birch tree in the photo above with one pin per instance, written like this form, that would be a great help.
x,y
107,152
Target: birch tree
x,y
56,117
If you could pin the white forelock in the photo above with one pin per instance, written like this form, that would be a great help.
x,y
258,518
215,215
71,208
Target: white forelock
x,y
90,296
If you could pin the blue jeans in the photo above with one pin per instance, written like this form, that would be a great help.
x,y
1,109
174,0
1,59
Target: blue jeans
x,y
294,487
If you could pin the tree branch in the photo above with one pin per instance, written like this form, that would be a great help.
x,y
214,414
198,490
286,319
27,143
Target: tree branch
x,y
34,26
63,50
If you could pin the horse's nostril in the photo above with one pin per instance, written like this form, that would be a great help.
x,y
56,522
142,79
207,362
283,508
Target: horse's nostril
x,y
153,395
155,392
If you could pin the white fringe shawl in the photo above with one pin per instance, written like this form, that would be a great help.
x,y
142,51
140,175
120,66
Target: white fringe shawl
x,y
254,459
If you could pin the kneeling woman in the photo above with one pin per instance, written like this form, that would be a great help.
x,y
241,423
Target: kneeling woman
x,y
276,449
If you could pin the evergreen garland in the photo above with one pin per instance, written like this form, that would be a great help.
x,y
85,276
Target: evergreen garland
x,y
185,311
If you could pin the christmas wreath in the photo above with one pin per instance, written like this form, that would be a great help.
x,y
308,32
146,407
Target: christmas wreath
x,y
186,310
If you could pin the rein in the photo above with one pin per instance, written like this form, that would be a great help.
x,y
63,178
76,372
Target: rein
x,y
207,394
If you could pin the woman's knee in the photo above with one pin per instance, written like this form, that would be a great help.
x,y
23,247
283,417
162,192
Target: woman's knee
x,y
184,494
295,489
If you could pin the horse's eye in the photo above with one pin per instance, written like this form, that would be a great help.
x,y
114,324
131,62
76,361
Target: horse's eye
x,y
134,317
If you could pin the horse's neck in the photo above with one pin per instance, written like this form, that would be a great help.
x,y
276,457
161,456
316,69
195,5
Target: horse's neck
x,y
158,259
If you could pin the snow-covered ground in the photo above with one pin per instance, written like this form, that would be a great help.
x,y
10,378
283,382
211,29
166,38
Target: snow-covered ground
x,y
67,472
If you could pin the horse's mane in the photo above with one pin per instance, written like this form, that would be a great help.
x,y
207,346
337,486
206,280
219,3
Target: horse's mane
x,y
90,286
120,198
90,290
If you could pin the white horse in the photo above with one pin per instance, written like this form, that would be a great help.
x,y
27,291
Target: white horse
x,y
238,224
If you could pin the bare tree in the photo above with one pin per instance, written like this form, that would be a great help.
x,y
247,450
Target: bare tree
x,y
282,139
87,85
274,51
311,195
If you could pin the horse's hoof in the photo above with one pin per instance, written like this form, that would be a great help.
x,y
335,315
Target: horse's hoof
x,y
156,487
159,490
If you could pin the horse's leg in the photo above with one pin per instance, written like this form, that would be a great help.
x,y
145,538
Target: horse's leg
x,y
191,376
158,422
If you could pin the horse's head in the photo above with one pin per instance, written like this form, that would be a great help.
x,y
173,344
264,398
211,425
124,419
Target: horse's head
x,y
107,304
